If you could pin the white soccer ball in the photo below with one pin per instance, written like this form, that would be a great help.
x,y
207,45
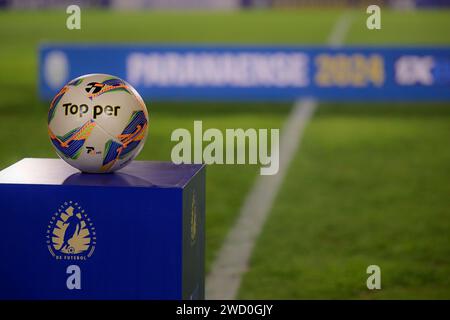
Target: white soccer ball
x,y
98,123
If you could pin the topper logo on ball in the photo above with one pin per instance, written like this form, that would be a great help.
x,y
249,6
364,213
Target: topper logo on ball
x,y
94,87
83,109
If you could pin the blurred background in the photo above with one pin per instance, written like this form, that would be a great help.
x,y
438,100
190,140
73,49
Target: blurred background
x,y
369,185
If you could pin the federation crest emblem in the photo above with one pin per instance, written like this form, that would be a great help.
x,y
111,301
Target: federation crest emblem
x,y
71,234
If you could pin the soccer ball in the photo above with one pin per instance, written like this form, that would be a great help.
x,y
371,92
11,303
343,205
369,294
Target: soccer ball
x,y
97,123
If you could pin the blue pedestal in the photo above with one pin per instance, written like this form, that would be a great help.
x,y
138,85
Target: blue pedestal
x,y
134,234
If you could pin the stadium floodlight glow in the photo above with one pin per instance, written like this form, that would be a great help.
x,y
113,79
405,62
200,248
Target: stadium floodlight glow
x,y
98,123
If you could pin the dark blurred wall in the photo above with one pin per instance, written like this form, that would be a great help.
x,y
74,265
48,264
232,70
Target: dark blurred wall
x,y
220,4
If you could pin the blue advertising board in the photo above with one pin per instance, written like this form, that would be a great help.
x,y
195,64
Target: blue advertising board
x,y
282,73
137,233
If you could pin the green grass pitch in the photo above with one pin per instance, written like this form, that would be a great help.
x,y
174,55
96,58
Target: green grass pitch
x,y
369,186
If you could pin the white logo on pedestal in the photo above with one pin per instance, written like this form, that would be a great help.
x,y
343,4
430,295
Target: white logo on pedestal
x,y
71,234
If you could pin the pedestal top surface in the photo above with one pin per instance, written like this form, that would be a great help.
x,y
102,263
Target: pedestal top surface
x,y
37,171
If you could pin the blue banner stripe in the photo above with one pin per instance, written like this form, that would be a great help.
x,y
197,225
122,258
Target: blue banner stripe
x,y
282,73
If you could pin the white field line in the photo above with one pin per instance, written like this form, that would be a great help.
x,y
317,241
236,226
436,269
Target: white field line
x,y
340,29
225,277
